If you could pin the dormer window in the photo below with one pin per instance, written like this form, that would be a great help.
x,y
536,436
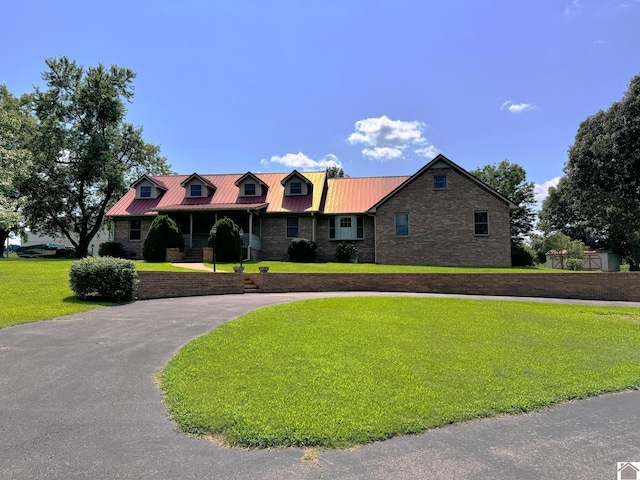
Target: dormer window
x,y
296,184
145,191
249,189
195,190
296,188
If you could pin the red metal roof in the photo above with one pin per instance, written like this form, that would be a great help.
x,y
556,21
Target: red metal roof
x,y
226,197
357,195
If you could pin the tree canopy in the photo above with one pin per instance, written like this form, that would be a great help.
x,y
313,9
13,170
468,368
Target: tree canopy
x,y
335,172
84,153
16,126
598,199
510,180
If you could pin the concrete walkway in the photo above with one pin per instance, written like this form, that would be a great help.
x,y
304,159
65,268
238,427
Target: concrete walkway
x,y
78,400
193,266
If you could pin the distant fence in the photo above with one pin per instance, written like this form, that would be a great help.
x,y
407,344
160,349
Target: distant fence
x,y
585,286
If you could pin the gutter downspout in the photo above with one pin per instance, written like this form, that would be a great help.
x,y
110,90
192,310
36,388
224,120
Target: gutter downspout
x,y
191,230
375,239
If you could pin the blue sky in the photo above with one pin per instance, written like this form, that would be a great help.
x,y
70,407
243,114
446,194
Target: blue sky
x,y
378,87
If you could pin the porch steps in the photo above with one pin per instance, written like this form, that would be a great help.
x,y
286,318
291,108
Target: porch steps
x,y
193,255
249,286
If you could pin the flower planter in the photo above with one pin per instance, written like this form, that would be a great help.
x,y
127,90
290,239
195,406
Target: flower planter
x,y
263,269
238,269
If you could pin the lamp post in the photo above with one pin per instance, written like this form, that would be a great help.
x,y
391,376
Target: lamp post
x,y
241,244
214,230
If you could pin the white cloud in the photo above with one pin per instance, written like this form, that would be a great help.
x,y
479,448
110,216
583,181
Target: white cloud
x,y
428,152
382,154
517,107
388,139
574,8
541,191
300,161
599,42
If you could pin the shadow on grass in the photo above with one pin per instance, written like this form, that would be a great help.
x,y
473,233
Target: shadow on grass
x,y
98,302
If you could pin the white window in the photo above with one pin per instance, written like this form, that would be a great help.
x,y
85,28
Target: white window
x,y
346,228
249,189
402,224
481,223
292,227
145,191
439,182
135,229
195,190
295,188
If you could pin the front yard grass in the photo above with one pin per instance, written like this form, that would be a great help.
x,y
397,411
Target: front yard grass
x,y
333,373
38,289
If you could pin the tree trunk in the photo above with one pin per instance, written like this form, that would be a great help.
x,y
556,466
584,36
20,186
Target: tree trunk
x,y
82,248
4,234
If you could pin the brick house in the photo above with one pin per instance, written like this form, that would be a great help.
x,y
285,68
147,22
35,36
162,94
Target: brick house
x,y
441,215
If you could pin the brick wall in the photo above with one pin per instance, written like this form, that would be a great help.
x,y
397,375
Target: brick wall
x,y
587,286
274,236
121,234
187,284
327,248
441,224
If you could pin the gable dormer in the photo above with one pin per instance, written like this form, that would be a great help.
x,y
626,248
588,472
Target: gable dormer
x,y
198,187
148,188
295,184
251,186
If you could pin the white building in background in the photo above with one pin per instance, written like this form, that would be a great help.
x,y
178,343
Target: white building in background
x,y
103,235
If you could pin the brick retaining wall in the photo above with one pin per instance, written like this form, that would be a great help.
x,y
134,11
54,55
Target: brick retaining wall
x,y
590,286
187,284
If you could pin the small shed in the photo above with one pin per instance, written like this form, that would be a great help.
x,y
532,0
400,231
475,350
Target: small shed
x,y
595,259
601,259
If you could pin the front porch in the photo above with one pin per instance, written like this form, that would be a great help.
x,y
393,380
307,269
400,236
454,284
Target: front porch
x,y
195,228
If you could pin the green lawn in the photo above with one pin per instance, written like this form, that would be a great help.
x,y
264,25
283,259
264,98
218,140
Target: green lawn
x,y
333,373
291,267
38,289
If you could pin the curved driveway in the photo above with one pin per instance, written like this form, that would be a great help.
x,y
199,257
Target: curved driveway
x,y
78,400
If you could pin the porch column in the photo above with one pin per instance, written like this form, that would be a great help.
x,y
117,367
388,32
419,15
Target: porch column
x,y
190,230
250,234
313,226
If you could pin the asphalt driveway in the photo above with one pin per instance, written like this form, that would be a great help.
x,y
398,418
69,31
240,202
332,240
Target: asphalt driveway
x,y
78,400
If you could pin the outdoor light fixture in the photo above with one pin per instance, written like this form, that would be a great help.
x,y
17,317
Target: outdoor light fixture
x,y
214,230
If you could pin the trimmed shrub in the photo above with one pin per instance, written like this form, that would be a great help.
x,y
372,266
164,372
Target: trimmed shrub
x,y
302,250
345,251
111,249
163,233
104,278
228,241
521,255
573,264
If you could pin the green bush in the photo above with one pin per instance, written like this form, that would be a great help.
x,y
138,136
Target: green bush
x,y
345,251
228,241
163,233
111,249
104,278
302,250
521,255
573,264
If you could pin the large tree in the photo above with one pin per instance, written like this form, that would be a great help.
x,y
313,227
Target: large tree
x,y
510,180
84,153
598,200
16,126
